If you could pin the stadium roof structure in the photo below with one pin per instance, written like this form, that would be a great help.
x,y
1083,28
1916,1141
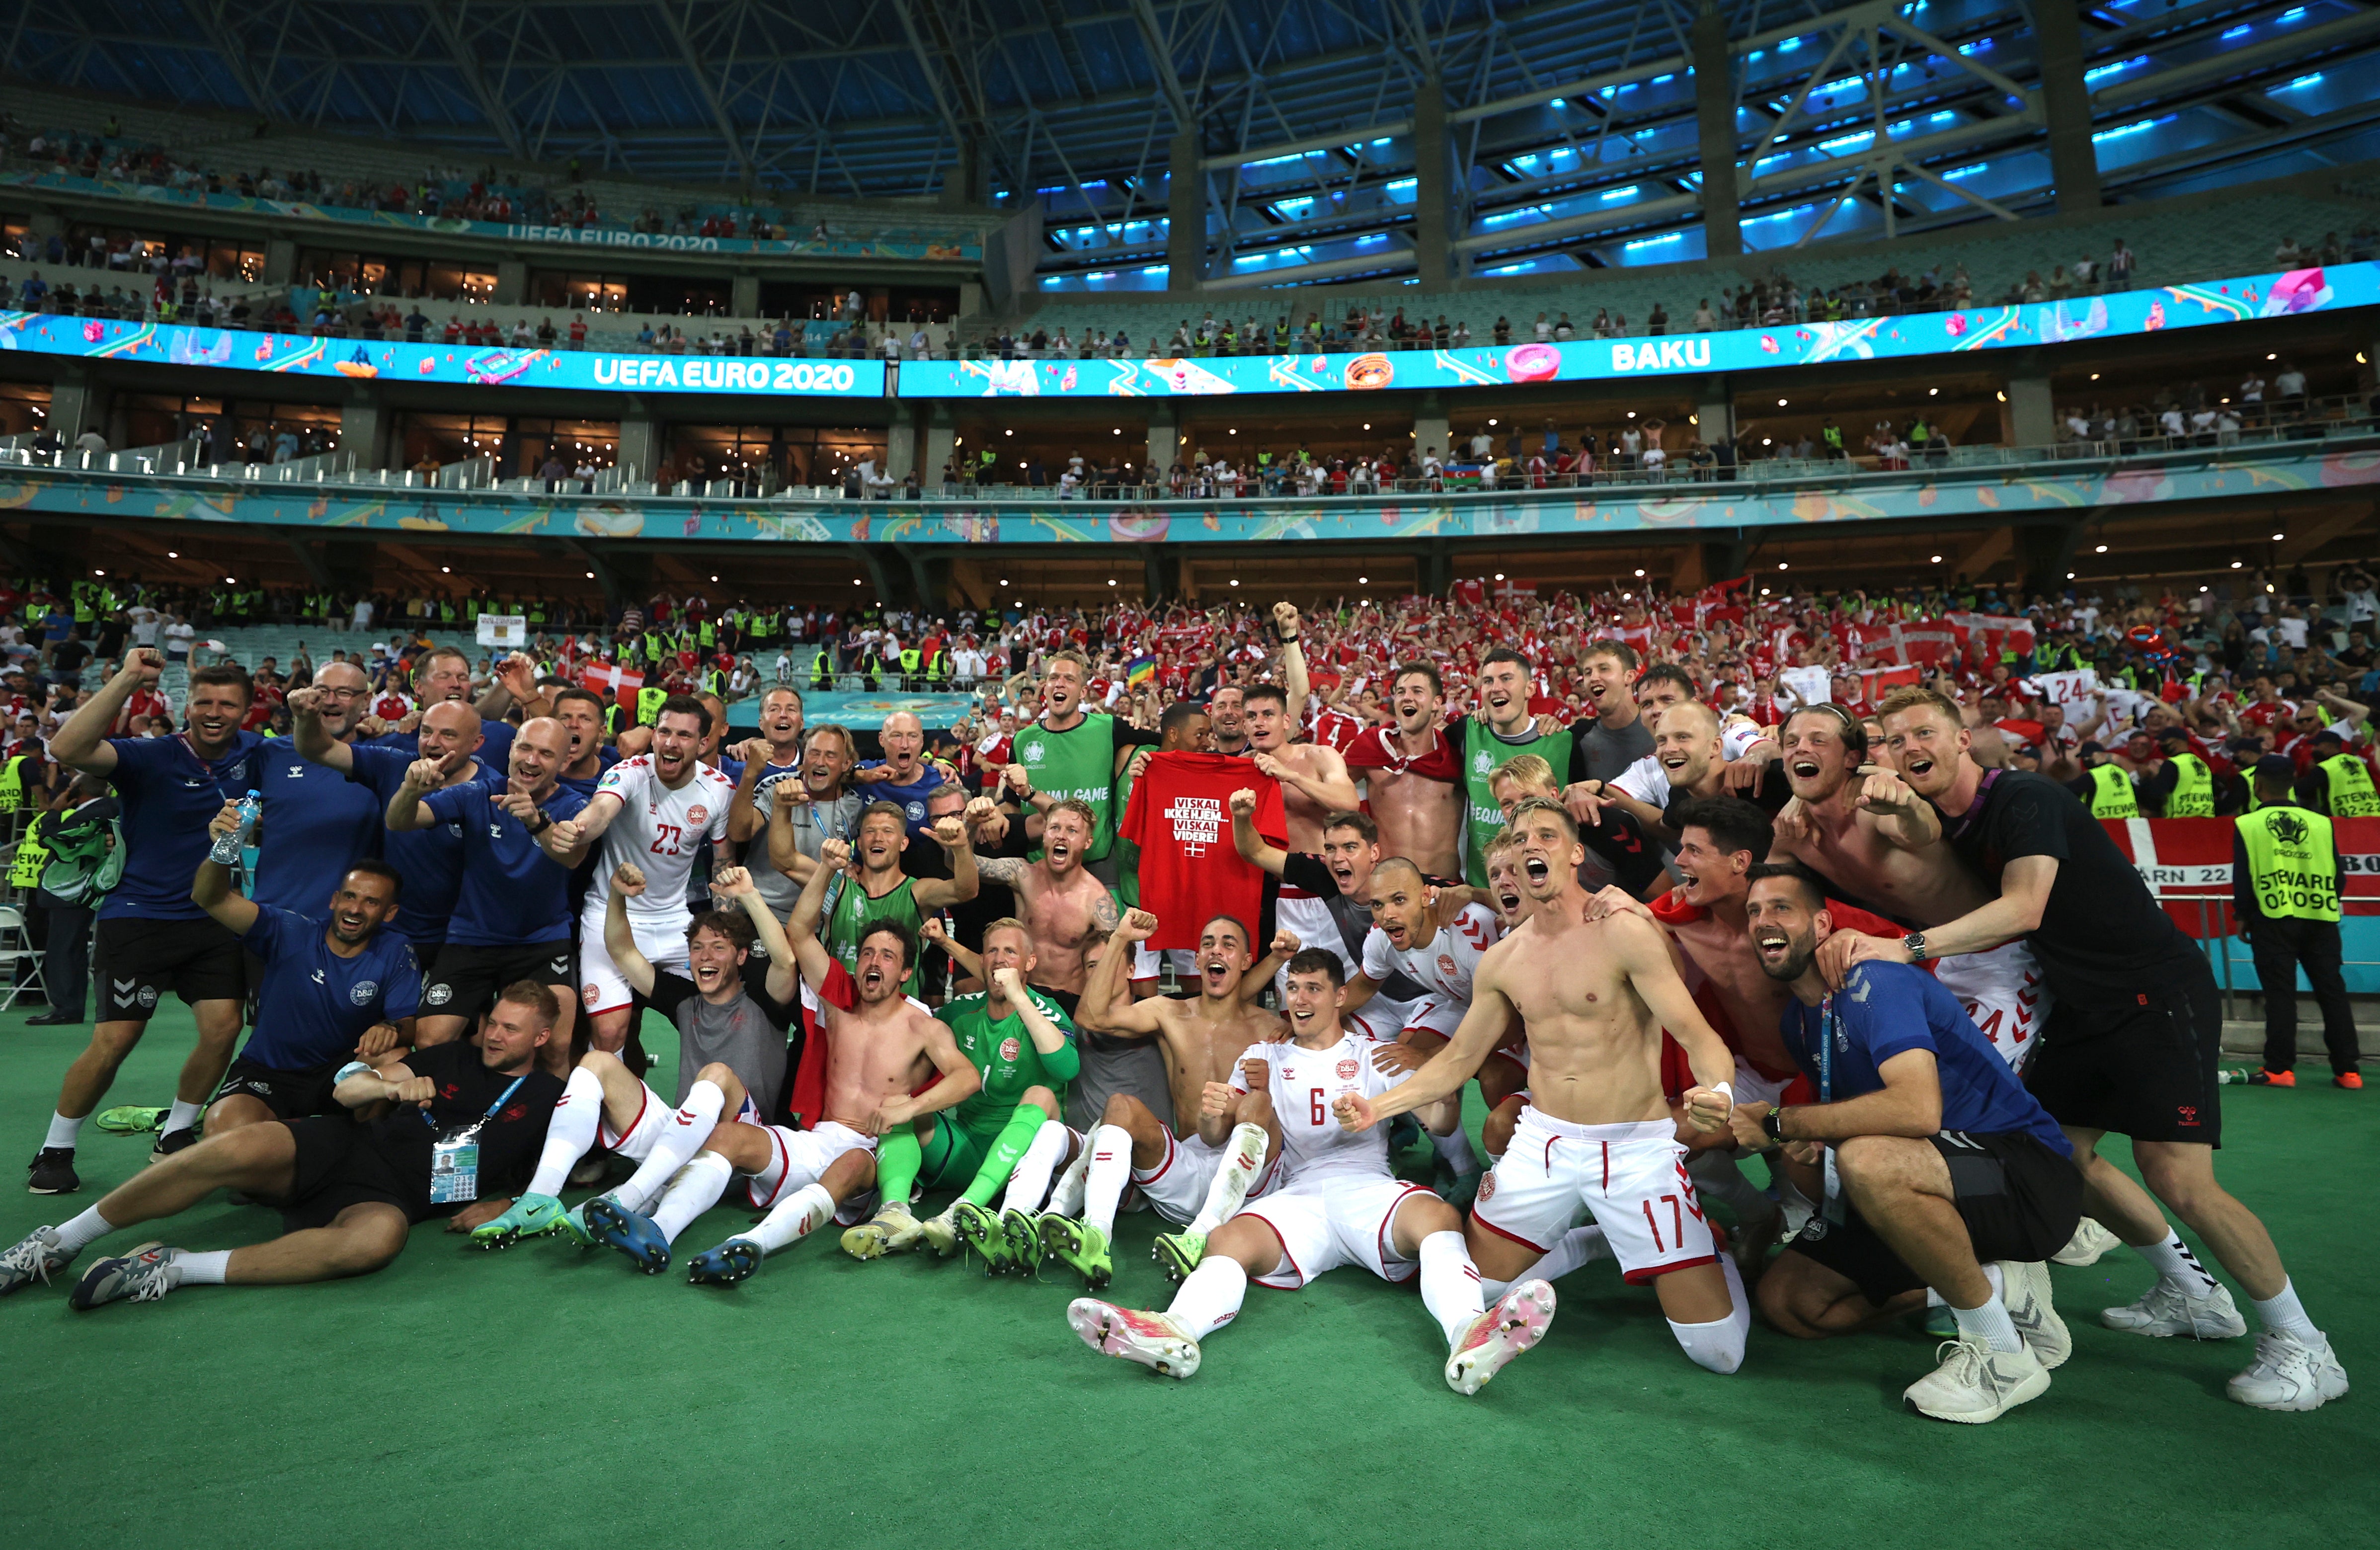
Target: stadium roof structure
x,y
1230,144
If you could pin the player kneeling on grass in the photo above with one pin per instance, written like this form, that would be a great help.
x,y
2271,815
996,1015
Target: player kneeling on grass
x,y
1343,1206
731,1059
1949,1173
444,1132
1021,1043
881,1048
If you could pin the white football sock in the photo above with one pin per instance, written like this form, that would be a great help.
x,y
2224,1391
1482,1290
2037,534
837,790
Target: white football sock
x,y
1455,1147
1029,1180
1067,1200
1450,1284
1209,1297
63,1132
801,1213
681,1136
1718,1344
569,1132
1580,1246
1992,1273
1111,1171
181,1116
696,1190
2283,1314
83,1231
205,1269
1244,1158
2177,1266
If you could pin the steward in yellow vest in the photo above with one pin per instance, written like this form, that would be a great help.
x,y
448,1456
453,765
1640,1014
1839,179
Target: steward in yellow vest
x,y
2285,888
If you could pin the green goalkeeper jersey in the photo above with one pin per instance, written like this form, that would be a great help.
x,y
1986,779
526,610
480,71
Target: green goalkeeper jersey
x,y
1003,1053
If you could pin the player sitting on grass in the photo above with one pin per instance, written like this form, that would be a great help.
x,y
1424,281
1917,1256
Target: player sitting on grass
x,y
881,1049
1022,1045
448,1130
731,1059
1343,1206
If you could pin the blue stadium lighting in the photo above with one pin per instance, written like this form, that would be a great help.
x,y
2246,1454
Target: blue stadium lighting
x,y
1655,241
1610,195
2314,79
2239,31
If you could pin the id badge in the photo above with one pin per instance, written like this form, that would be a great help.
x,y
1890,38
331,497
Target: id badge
x,y
455,1168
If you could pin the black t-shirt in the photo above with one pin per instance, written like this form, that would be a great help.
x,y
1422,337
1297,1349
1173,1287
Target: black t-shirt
x,y
509,1142
68,657
2103,937
1769,796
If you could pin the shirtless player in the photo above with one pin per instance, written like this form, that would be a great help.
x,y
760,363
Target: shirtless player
x,y
1598,1132
1845,824
1409,771
881,1048
1313,779
1059,900
1189,1182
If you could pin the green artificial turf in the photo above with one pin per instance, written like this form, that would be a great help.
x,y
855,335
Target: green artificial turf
x,y
541,1397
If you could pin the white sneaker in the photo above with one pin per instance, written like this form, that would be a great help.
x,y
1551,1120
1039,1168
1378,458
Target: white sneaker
x,y
2289,1375
1973,1385
2090,1243
2163,1311
1517,1322
1152,1339
2025,1294
35,1257
940,1234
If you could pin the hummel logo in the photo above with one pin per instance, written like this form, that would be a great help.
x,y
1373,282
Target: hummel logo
x,y
318,977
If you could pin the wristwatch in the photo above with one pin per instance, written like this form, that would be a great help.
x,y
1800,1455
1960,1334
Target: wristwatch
x,y
1915,943
1772,1123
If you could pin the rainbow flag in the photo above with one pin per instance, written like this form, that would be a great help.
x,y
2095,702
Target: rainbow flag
x,y
1138,671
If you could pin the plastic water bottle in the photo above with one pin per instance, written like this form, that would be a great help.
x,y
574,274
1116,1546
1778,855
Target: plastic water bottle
x,y
226,849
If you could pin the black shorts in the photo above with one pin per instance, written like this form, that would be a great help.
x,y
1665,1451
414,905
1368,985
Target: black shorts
x,y
2147,1069
465,980
338,1165
140,960
1067,1000
2021,1200
289,1095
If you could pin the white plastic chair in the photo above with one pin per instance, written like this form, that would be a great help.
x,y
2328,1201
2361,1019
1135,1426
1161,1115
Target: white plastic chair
x,y
16,946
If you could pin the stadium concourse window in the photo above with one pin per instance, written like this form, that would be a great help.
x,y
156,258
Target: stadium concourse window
x,y
587,293
765,458
23,408
375,275
517,446
823,303
130,252
235,430
679,296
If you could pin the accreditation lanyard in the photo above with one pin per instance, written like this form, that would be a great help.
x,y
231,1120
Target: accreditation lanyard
x,y
1828,1024
454,1156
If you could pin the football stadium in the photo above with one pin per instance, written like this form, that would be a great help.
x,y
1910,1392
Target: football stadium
x,y
1517,772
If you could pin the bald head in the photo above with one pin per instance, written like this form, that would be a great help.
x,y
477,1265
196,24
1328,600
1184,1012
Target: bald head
x,y
346,693
905,739
450,730
1687,743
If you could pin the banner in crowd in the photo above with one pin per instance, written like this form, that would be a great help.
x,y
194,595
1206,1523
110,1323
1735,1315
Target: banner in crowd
x,y
2187,863
1809,686
2067,688
490,366
1990,634
956,249
2122,314
1943,495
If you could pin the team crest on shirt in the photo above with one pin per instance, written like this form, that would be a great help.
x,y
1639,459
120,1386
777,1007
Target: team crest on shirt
x,y
1010,1048
696,814
437,996
1486,1186
148,997
591,996
363,992
915,811
1350,1069
1446,964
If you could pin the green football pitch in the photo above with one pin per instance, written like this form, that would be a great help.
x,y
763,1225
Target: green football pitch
x,y
540,1396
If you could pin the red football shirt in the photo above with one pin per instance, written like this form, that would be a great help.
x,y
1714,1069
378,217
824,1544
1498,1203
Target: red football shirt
x,y
1180,815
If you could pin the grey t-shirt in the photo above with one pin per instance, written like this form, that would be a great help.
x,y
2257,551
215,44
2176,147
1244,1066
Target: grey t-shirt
x,y
747,1036
1111,1066
814,824
1599,753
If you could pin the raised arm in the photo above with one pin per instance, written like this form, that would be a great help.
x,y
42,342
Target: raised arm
x,y
937,892
744,819
784,849
801,926
1057,1051
212,891
1278,953
1330,785
1902,819
627,883
1643,949
407,810
1103,1006
314,741
81,742
1293,679
970,963
2024,894
734,885
1245,839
